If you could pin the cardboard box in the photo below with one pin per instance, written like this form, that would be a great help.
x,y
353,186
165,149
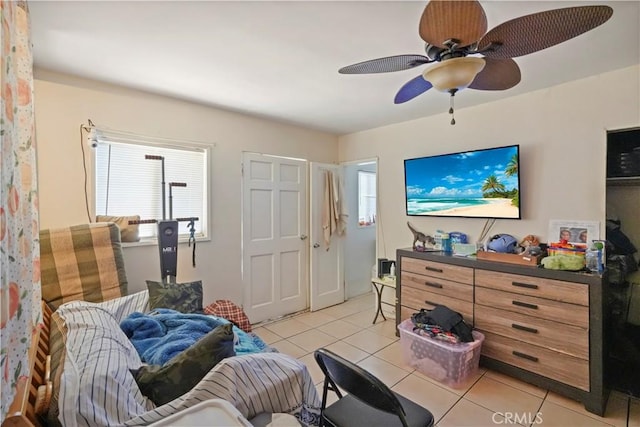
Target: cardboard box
x,y
510,258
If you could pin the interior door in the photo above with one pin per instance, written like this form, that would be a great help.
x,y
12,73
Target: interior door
x,y
274,223
327,280
360,242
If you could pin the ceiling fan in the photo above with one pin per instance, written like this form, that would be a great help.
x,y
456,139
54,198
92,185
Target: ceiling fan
x,y
456,37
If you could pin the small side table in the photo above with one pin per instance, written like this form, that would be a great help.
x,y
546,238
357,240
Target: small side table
x,y
379,284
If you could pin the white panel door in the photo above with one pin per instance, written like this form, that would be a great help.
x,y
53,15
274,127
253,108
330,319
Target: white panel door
x,y
274,224
327,274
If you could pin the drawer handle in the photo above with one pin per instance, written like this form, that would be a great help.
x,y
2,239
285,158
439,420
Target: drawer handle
x,y
437,270
433,285
524,328
430,303
524,304
524,356
524,285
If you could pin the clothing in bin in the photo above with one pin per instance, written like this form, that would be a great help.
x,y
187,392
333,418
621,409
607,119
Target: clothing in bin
x,y
449,354
442,323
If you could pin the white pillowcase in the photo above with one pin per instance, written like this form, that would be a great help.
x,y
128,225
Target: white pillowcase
x,y
96,386
122,307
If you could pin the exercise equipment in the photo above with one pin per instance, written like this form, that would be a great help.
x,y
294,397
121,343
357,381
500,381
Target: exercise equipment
x,y
168,230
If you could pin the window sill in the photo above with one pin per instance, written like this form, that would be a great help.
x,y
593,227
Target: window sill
x,y
154,242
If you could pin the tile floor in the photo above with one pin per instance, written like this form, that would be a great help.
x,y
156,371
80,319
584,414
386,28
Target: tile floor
x,y
486,399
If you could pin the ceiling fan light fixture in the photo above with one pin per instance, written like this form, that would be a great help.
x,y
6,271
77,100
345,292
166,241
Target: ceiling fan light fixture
x,y
454,73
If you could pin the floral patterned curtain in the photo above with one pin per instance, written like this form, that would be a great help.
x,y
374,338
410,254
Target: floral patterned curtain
x,y
19,247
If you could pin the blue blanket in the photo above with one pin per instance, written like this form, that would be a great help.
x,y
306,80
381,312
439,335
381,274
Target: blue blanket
x,y
163,333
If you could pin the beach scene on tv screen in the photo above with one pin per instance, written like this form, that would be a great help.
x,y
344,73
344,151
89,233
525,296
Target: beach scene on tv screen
x,y
482,183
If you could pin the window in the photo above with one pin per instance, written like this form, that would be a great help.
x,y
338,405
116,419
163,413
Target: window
x,y
366,198
128,182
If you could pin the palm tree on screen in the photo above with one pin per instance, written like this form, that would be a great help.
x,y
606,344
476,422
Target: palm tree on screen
x,y
512,167
493,184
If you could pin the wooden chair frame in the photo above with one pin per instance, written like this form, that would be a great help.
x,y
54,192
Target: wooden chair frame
x,y
32,399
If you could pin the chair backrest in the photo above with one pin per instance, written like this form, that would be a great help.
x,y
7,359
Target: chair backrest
x,y
359,383
82,262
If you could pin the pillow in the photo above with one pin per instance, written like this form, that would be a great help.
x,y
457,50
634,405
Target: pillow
x,y
82,262
122,307
230,311
183,297
163,384
128,232
96,384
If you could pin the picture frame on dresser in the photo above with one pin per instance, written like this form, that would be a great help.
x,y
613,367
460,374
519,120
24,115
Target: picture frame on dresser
x,y
581,232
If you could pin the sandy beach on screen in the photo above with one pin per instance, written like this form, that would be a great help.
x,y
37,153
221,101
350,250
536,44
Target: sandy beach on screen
x,y
495,208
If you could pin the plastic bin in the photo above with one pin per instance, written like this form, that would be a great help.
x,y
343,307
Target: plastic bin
x,y
450,364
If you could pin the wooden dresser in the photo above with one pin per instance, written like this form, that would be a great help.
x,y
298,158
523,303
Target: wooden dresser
x,y
544,327
427,283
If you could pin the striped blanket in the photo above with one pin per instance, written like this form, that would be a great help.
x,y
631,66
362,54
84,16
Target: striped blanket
x,y
97,388
263,382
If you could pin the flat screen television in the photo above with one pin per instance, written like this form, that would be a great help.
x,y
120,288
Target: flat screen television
x,y
473,184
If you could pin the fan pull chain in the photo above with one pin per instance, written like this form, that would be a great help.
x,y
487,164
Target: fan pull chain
x,y
453,93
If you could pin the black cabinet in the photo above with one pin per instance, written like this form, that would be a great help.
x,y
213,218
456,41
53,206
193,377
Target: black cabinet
x,y
623,157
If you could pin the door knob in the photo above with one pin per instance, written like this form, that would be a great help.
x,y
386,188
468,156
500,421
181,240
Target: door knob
x,y
316,245
303,237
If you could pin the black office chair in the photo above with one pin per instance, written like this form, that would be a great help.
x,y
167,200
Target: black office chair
x,y
369,402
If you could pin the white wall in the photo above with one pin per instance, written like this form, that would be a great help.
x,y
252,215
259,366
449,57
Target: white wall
x,y
63,103
562,136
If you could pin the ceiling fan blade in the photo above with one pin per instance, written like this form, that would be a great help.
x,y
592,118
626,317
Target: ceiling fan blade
x,y
497,74
385,65
531,33
414,87
464,21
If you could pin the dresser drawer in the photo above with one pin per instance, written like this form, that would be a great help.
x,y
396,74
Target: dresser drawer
x,y
417,299
560,367
437,285
437,269
569,314
558,290
562,338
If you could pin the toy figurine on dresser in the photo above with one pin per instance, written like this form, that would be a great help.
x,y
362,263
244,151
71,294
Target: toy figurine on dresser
x,y
419,236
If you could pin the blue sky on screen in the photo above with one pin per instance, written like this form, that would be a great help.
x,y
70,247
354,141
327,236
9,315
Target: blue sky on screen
x,y
458,175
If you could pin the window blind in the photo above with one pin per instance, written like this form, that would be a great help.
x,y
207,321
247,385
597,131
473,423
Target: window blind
x,y
127,183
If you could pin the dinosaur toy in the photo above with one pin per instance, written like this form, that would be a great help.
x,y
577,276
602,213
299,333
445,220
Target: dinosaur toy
x,y
419,236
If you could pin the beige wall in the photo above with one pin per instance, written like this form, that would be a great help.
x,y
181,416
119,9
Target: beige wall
x,y
562,137
62,104
561,132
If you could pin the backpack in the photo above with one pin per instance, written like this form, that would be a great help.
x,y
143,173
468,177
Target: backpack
x,y
447,319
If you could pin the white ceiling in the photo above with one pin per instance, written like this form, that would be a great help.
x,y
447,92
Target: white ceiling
x,y
279,59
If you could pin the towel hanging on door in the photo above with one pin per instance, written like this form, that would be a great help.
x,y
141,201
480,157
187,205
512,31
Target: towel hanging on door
x,y
329,209
334,208
343,213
